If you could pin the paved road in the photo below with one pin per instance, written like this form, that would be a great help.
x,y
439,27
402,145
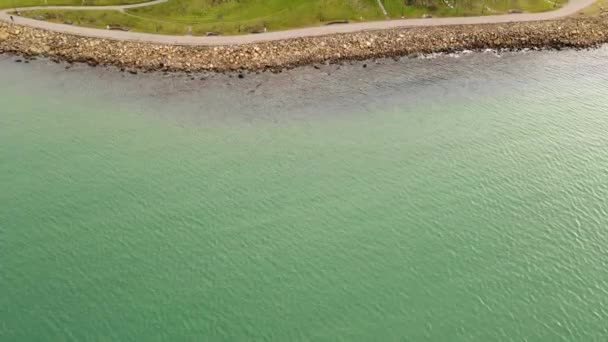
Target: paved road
x,y
572,7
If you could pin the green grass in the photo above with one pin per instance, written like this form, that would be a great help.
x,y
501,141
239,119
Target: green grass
x,y
398,8
234,16
29,3
102,18
600,6
241,16
227,17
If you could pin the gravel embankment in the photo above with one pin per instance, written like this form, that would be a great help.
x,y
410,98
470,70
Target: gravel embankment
x,y
581,32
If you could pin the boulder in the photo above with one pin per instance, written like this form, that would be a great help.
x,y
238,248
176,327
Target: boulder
x,y
39,49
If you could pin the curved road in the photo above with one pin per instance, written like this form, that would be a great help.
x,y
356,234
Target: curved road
x,y
572,7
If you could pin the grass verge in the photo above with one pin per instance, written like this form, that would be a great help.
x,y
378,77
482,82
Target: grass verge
x,y
31,3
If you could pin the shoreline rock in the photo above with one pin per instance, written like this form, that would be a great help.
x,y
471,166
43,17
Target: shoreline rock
x,y
582,32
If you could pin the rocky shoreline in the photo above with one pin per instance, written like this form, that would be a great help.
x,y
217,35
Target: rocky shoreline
x,y
581,32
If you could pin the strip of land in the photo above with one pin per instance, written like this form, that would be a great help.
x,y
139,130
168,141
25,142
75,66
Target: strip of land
x,y
274,51
572,7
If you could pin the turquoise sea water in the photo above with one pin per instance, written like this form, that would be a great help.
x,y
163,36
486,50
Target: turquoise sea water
x,y
452,199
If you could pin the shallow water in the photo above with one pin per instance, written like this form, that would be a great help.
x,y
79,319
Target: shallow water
x,y
448,199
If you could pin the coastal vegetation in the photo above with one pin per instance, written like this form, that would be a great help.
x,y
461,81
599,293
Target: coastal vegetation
x,y
200,17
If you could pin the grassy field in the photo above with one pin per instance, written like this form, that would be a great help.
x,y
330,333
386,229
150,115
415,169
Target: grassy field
x,y
197,17
100,19
450,8
226,17
600,6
